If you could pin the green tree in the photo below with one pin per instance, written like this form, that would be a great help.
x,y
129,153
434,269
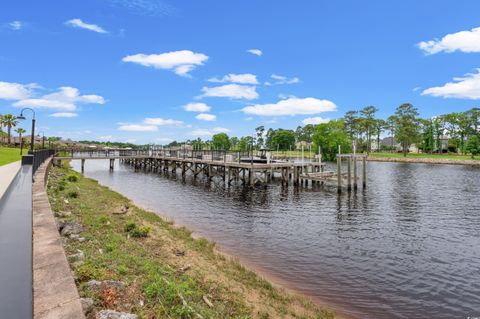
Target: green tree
x,y
9,121
406,126
352,124
221,141
259,131
428,136
369,124
328,136
245,143
473,145
282,139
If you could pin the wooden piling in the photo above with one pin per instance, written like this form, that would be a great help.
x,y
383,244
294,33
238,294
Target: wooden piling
x,y
339,174
364,171
349,173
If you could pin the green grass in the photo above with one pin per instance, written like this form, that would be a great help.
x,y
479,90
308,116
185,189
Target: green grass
x,y
167,273
9,155
420,155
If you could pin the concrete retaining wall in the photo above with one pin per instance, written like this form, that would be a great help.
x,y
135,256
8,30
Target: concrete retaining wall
x,y
54,292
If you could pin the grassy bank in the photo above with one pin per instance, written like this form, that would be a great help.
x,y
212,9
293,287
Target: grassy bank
x,y
420,155
167,273
9,155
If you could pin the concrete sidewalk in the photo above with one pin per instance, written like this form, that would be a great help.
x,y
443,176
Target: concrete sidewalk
x,y
7,174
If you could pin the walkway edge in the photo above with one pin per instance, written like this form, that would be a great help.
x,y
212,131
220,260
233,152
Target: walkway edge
x,y
55,294
8,172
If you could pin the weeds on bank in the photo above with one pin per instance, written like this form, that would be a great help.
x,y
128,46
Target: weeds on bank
x,y
167,273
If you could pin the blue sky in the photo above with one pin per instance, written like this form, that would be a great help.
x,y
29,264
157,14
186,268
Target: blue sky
x,y
152,71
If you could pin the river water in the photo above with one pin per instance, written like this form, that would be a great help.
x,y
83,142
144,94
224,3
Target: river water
x,y
406,247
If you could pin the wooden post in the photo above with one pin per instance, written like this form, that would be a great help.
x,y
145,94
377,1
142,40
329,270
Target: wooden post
x,y
339,174
83,165
349,173
364,171
355,177
112,163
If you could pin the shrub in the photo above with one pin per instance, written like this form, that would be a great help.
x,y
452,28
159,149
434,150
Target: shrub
x,y
72,178
142,231
72,194
130,226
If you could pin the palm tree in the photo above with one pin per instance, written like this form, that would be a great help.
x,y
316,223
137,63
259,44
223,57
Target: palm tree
x,y
20,131
9,121
1,127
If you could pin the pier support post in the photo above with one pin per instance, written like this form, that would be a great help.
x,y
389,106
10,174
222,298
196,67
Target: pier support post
x,y
349,174
112,163
355,177
83,165
339,174
364,171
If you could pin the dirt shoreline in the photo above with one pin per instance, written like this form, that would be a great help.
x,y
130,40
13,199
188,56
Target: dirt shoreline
x,y
219,249
424,160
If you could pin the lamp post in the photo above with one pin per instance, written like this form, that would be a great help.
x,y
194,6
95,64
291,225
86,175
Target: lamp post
x,y
22,117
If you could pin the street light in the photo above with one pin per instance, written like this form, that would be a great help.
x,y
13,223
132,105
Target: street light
x,y
22,117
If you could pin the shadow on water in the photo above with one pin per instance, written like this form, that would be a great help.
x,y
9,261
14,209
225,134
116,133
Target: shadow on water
x,y
406,247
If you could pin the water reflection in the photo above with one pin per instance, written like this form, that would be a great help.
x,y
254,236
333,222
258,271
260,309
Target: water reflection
x,y
406,247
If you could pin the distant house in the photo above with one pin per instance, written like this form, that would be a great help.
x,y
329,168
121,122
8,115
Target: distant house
x,y
392,142
306,145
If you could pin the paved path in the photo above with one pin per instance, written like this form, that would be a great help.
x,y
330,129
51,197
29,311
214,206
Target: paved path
x,y
7,174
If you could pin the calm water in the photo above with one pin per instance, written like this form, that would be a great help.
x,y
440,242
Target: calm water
x,y
407,247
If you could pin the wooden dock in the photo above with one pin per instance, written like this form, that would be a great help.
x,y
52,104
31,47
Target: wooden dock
x,y
231,168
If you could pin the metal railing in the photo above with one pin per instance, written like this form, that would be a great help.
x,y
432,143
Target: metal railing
x,y
39,157
186,153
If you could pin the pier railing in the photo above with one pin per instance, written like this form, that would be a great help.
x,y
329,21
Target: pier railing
x,y
206,155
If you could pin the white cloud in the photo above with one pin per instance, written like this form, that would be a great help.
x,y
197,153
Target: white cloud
x,y
234,91
64,114
78,23
181,62
315,120
138,128
66,99
206,117
161,122
105,138
291,106
255,52
246,78
15,91
464,41
221,130
202,132
281,79
196,107
16,25
207,133
467,87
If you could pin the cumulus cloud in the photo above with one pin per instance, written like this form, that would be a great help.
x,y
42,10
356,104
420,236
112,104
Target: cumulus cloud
x,y
233,91
315,120
161,122
464,41
245,78
196,107
138,128
467,87
181,62
16,25
291,106
257,52
66,99
206,117
207,132
16,91
78,23
281,79
64,114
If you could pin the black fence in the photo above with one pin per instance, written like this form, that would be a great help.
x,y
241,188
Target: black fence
x,y
39,157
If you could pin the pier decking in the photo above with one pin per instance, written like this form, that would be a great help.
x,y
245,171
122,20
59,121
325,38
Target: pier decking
x,y
233,167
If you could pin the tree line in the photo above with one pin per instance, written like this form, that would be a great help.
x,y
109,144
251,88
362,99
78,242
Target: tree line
x,y
363,130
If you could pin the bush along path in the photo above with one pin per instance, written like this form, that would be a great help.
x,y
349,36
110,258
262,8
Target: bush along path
x,y
130,263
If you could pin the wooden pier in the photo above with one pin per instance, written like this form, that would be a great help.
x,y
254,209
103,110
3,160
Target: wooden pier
x,y
231,168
